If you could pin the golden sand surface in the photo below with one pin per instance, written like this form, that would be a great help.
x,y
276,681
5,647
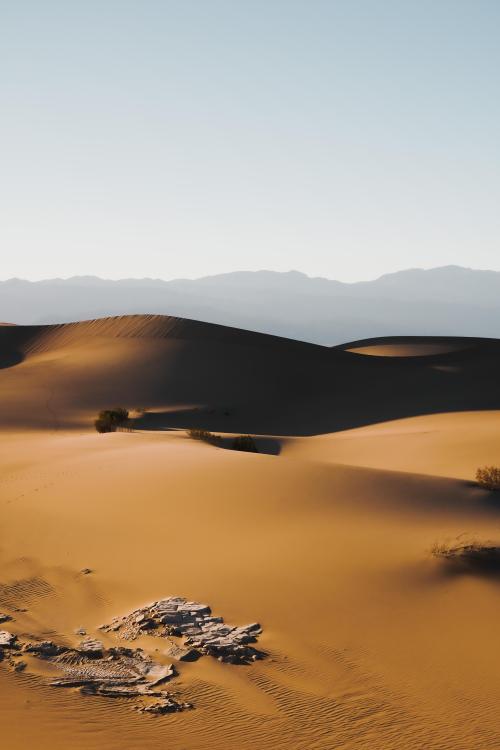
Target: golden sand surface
x,y
371,642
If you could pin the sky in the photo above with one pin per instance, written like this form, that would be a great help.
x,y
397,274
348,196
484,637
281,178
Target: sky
x,y
342,138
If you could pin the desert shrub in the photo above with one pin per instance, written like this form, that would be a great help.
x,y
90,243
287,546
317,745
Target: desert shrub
x,y
103,425
245,443
488,477
467,550
205,435
109,420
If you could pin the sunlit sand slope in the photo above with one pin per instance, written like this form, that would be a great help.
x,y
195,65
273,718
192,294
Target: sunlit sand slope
x,y
371,642
448,445
410,346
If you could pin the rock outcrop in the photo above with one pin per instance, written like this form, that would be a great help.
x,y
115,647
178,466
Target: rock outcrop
x,y
7,640
202,632
118,672
114,672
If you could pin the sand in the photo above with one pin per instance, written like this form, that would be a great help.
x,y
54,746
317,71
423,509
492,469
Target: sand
x,y
372,642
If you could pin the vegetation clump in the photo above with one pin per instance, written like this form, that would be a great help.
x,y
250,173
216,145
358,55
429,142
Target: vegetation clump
x,y
488,477
239,443
245,443
109,420
467,550
205,435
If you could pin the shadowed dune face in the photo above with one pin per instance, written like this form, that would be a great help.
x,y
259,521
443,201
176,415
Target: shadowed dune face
x,y
191,374
10,359
158,363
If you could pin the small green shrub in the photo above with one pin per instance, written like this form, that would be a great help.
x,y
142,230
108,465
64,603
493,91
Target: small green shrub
x,y
205,435
109,420
245,443
488,477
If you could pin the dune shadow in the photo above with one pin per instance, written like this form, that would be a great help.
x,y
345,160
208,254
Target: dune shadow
x,y
471,559
250,383
219,419
211,420
266,445
214,420
289,389
488,500
270,446
478,568
10,359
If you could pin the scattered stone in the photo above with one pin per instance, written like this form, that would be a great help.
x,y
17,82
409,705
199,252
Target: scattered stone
x,y
7,640
115,673
114,690
80,631
91,647
20,666
203,633
182,654
166,705
4,617
86,571
44,649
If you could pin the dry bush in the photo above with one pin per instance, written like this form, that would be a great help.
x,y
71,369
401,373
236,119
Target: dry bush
x,y
245,443
468,550
488,477
109,420
205,435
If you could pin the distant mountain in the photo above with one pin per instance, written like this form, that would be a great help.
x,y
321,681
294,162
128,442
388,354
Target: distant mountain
x,y
444,301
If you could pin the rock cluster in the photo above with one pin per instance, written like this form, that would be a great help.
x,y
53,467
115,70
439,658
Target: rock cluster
x,y
203,633
7,640
113,672
91,647
10,650
44,649
130,672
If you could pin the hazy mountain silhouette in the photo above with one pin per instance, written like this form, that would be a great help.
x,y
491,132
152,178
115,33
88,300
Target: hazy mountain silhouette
x,y
441,301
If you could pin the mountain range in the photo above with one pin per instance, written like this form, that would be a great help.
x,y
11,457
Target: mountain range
x,y
444,301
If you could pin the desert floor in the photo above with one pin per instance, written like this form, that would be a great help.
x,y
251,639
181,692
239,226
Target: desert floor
x,y
372,643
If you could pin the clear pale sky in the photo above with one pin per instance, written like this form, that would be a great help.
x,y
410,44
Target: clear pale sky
x,y
343,138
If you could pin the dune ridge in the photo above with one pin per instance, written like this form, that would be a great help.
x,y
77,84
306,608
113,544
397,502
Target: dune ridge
x,y
189,373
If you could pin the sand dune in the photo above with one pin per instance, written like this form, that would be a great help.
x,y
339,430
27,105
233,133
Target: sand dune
x,y
144,361
410,346
448,445
371,642
188,373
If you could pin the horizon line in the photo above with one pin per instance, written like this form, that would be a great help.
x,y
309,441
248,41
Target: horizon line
x,y
291,271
